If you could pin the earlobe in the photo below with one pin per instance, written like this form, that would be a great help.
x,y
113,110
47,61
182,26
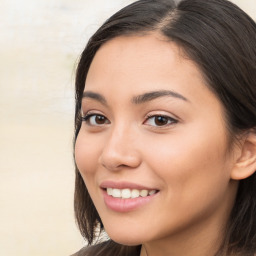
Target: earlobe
x,y
245,165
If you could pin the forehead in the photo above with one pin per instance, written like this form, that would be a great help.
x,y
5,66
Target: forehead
x,y
137,51
140,57
136,64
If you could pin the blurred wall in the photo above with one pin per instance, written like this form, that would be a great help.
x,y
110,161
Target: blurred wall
x,y
39,46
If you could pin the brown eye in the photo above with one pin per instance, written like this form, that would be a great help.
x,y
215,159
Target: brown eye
x,y
160,120
100,119
95,120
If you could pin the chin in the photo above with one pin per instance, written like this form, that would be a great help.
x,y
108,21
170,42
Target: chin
x,y
126,239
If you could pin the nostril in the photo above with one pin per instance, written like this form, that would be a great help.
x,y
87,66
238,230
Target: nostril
x,y
115,157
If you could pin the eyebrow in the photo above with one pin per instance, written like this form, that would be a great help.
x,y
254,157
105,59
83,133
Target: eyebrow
x,y
145,97
95,96
142,98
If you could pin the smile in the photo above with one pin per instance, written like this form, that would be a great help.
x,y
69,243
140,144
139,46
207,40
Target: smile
x,y
129,193
127,199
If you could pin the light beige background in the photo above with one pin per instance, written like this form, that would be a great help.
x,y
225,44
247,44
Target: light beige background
x,y
40,42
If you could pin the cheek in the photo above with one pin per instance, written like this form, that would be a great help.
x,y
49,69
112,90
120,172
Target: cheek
x,y
194,175
86,154
190,164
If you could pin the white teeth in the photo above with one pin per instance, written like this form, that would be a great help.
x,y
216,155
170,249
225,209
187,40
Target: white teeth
x,y
128,193
143,193
135,193
116,192
152,192
109,191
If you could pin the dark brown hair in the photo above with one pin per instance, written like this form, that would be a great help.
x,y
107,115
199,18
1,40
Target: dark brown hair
x,y
221,39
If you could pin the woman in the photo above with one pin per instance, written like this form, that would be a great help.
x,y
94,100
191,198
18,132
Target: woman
x,y
165,143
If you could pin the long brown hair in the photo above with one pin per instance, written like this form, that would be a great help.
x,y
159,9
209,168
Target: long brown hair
x,y
221,39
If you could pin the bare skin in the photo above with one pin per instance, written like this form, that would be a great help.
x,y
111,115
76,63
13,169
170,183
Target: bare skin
x,y
151,121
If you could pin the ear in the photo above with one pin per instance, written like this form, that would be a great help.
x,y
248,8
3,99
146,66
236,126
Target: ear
x,y
245,165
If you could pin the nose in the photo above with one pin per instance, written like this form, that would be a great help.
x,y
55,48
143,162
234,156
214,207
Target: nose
x,y
120,150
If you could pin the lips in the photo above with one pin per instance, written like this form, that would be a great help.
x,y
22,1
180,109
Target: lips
x,y
125,196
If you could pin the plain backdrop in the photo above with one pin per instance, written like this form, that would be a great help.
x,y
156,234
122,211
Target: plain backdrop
x,y
40,42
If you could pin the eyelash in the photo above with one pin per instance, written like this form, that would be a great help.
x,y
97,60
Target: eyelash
x,y
88,116
168,119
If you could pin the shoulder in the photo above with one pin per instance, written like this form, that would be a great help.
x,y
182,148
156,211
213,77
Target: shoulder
x,y
108,248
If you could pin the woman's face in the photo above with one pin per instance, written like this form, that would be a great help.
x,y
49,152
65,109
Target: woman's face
x,y
153,146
